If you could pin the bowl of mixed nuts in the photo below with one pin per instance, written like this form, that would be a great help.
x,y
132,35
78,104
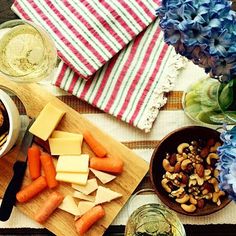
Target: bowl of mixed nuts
x,y
183,172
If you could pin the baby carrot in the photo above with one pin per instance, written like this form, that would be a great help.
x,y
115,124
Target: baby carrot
x,y
49,206
49,169
96,147
109,164
34,162
83,224
32,189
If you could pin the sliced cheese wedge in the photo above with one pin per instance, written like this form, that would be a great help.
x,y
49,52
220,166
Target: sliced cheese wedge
x,y
76,163
90,187
64,134
77,178
46,121
102,176
69,205
82,196
84,206
105,195
65,146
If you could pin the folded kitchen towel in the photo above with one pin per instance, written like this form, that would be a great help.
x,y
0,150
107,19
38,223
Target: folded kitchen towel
x,y
132,85
88,33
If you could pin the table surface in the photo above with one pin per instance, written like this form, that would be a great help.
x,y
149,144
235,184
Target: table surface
x,y
144,146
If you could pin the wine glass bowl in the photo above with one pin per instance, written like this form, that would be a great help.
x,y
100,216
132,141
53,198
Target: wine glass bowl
x,y
27,53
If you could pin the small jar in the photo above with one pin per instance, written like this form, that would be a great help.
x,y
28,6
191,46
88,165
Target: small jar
x,y
154,219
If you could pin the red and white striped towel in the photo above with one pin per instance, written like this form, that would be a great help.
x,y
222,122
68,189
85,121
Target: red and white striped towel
x,y
88,33
131,85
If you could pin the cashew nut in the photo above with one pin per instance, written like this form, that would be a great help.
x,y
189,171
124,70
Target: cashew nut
x,y
188,208
207,196
205,191
196,177
166,165
216,197
192,200
177,192
185,163
165,185
184,199
210,157
214,182
214,148
179,157
216,173
181,147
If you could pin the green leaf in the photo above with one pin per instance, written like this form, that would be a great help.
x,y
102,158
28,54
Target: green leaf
x,y
226,97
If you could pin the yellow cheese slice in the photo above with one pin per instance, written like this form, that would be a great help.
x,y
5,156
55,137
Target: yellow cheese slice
x,y
77,178
77,163
102,176
82,196
90,187
84,206
64,134
69,205
65,146
105,195
46,121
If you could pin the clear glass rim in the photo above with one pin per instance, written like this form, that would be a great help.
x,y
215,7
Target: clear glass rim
x,y
40,30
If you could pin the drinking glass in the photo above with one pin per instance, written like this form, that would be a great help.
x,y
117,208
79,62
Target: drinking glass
x,y
152,219
211,102
27,53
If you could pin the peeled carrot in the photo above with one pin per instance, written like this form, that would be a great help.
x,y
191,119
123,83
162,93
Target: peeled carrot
x,y
32,189
109,164
96,147
34,162
83,224
49,206
49,170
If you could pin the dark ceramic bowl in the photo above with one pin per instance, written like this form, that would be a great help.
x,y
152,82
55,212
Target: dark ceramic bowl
x,y
169,144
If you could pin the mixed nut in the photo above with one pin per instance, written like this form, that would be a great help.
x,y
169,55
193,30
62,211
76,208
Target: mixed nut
x,y
191,176
4,125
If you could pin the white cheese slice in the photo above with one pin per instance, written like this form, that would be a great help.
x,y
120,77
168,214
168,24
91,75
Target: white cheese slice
x,y
90,187
82,196
102,176
69,205
77,178
64,134
65,146
84,206
77,163
105,195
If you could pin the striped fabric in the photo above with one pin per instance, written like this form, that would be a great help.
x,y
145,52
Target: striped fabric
x,y
130,85
88,33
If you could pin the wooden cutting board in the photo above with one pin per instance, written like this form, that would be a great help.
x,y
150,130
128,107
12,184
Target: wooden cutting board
x,y
60,223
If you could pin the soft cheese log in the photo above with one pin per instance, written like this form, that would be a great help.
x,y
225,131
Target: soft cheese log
x,y
46,121
65,146
76,163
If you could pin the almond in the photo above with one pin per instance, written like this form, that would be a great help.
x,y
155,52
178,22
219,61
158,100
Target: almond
x,y
200,170
172,159
200,203
204,152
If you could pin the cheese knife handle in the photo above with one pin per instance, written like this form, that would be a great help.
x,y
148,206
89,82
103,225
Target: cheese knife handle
x,y
9,198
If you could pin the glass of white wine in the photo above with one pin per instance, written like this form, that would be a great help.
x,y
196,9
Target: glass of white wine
x,y
27,53
148,217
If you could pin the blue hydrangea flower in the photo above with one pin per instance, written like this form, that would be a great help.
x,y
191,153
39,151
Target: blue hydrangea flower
x,y
227,163
202,31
